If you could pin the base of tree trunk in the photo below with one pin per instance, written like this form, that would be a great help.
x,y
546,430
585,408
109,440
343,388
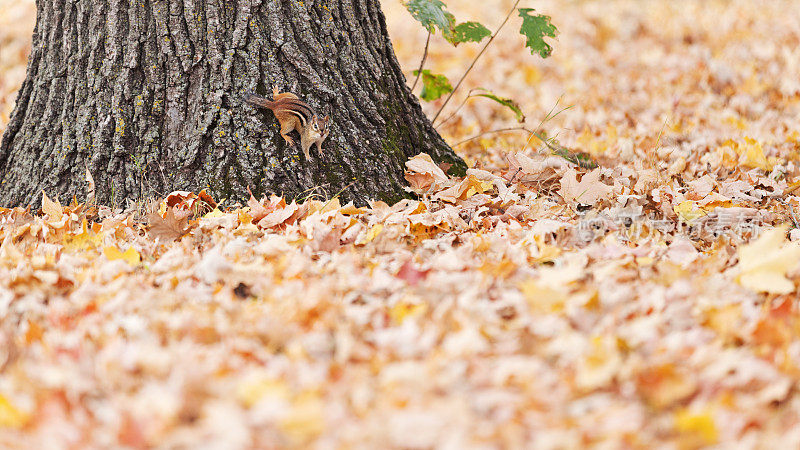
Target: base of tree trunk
x,y
147,96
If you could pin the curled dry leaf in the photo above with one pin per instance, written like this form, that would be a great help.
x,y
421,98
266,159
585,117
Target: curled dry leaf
x,y
423,174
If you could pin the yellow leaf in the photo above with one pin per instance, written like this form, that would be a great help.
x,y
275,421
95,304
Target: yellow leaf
x,y
700,425
600,365
10,416
371,234
214,213
763,264
244,216
130,256
546,252
543,298
476,186
688,211
590,143
51,208
349,210
724,320
738,122
305,421
401,310
252,391
83,240
752,154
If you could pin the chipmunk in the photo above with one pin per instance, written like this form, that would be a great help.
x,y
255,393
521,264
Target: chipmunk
x,y
294,114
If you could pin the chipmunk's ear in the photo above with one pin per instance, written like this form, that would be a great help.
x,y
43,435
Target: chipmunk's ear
x,y
275,91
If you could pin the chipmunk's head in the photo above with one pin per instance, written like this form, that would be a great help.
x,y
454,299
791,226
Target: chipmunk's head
x,y
320,126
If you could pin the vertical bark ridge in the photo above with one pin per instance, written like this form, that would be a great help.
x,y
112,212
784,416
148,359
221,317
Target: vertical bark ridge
x,y
148,97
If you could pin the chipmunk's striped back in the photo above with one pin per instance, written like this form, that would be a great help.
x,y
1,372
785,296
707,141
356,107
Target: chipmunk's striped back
x,y
285,102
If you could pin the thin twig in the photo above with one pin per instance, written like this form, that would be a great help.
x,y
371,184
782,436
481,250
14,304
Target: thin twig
x,y
546,142
491,38
500,130
469,96
548,117
422,62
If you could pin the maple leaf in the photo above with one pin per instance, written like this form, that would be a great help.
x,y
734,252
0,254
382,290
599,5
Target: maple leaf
x,y
689,211
170,227
588,191
763,264
83,240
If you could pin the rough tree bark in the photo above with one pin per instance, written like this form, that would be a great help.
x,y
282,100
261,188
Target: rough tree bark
x,y
147,95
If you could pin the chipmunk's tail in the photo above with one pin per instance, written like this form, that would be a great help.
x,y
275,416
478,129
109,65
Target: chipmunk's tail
x,y
257,100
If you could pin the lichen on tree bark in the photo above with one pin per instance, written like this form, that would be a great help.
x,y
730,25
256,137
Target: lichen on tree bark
x,y
148,97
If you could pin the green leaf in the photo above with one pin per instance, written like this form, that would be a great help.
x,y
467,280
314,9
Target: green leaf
x,y
433,85
470,32
432,14
507,102
580,159
535,28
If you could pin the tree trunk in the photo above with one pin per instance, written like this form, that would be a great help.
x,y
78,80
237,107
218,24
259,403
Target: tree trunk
x,y
147,95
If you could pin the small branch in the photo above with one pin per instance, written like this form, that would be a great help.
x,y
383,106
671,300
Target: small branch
x,y
491,38
469,96
533,133
422,62
549,116
491,132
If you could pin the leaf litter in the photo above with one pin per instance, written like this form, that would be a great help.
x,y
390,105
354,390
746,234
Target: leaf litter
x,y
650,301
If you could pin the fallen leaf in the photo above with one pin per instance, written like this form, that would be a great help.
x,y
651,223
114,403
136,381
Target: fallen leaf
x,y
10,416
169,227
53,209
373,232
588,191
423,173
697,426
763,264
130,256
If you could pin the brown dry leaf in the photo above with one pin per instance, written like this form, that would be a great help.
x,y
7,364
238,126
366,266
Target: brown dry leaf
x,y
172,226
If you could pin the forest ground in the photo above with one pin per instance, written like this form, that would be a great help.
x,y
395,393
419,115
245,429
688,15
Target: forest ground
x,y
649,302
